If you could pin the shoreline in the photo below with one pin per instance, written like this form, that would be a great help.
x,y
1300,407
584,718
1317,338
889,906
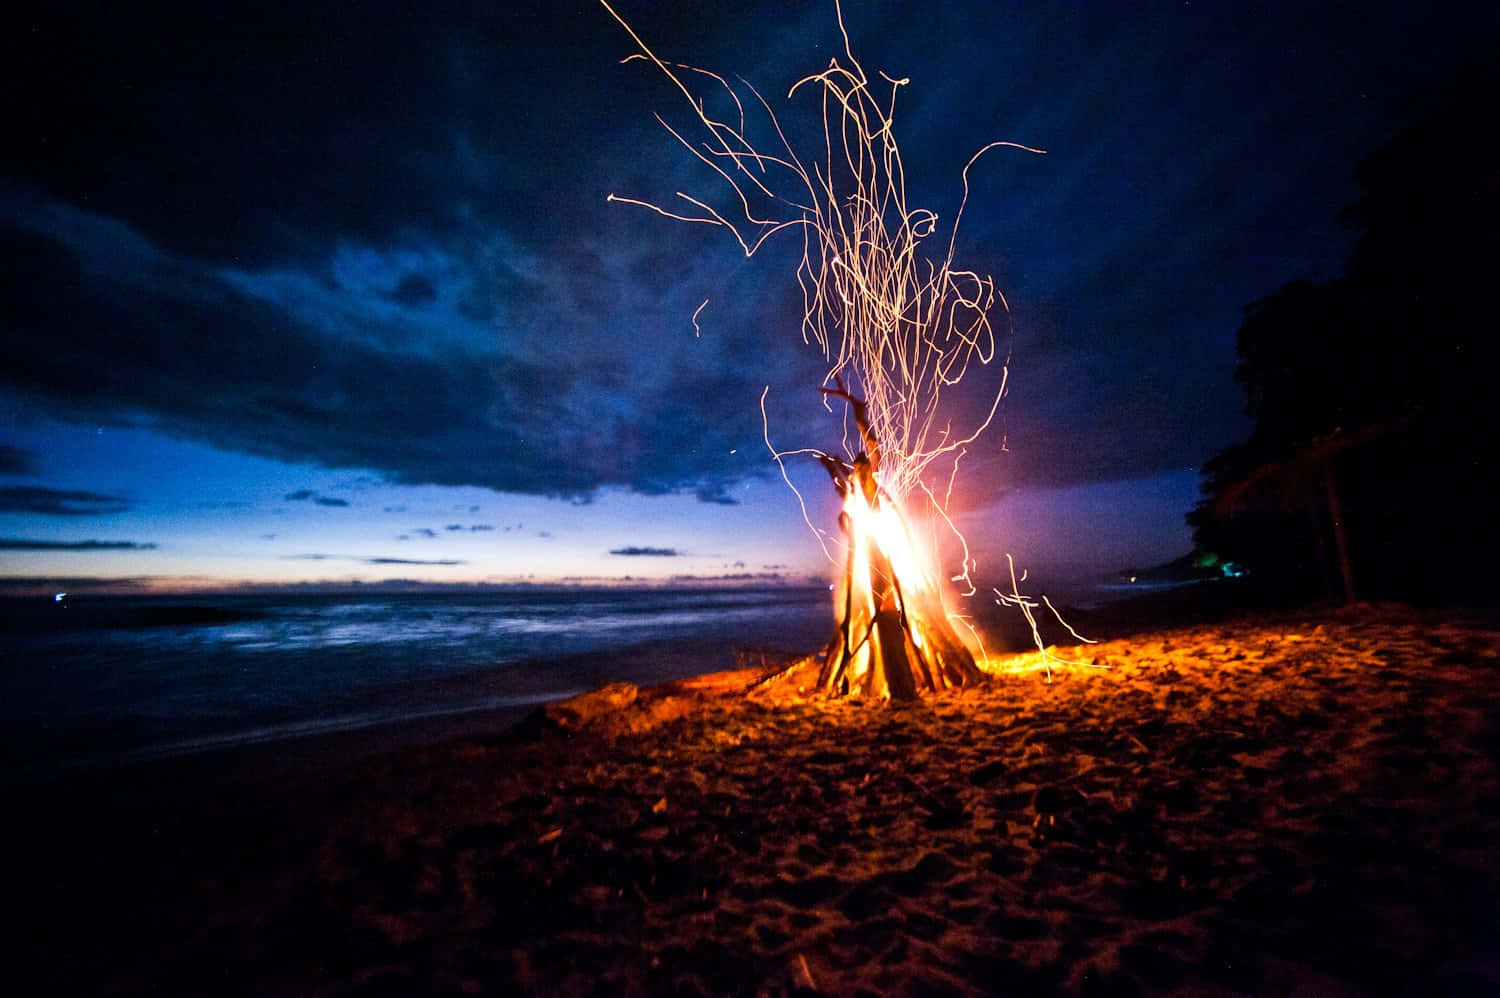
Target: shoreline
x,y
475,701
466,702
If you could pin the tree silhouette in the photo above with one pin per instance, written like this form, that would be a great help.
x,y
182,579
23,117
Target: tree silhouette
x,y
1371,393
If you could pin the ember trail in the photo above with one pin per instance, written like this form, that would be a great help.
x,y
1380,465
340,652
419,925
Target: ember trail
x,y
898,323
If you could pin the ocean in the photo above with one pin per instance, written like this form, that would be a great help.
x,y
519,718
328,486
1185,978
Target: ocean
x,y
100,680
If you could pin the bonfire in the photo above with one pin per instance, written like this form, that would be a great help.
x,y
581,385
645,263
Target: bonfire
x,y
898,324
894,638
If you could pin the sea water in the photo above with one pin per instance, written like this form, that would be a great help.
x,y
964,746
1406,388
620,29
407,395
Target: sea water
x,y
93,680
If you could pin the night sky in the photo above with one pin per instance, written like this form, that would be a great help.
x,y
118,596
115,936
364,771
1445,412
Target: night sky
x,y
332,292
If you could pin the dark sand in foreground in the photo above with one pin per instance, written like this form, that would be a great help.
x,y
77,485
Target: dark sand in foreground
x,y
1291,804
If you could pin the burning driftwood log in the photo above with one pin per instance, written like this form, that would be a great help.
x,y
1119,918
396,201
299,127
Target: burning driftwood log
x,y
893,638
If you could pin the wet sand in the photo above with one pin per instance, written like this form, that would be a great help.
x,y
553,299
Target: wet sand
x,y
1299,803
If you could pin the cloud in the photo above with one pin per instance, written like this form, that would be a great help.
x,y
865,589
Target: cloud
x,y
50,585
303,495
108,328
16,460
434,105
18,544
425,532
411,561
420,276
646,552
716,492
371,561
59,502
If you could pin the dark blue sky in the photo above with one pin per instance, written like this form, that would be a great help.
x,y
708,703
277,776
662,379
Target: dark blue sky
x,y
332,291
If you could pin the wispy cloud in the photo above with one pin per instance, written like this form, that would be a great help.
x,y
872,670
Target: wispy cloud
x,y
20,544
372,561
50,585
646,552
412,561
305,495
59,502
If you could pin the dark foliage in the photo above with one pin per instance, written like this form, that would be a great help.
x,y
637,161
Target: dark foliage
x,y
1372,390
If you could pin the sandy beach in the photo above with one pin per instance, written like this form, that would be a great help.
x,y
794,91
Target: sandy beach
x,y
1292,803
